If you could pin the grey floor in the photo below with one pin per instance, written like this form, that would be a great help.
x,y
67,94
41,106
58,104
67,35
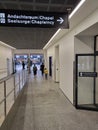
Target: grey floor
x,y
44,107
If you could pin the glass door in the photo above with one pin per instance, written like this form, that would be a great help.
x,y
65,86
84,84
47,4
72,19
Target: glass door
x,y
86,81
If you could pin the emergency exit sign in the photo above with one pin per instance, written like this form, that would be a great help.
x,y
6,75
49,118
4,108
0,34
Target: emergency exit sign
x,y
18,18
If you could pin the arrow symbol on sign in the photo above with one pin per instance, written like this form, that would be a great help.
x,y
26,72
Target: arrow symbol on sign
x,y
60,20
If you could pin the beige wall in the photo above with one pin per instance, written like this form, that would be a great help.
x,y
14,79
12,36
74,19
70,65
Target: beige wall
x,y
28,51
66,65
69,45
83,47
5,53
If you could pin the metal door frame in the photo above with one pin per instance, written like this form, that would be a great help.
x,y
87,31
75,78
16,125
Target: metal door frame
x,y
76,86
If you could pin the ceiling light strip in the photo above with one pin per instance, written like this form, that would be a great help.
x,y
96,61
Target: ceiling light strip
x,y
77,7
4,44
73,12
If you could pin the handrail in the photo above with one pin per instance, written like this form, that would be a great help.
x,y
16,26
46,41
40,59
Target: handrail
x,y
3,71
17,82
6,78
9,76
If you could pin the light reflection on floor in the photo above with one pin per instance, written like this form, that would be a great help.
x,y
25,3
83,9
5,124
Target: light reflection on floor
x,y
19,68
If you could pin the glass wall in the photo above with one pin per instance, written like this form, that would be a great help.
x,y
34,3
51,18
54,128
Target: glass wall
x,y
19,59
37,59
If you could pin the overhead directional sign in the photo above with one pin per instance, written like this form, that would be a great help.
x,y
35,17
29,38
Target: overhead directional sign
x,y
60,20
18,18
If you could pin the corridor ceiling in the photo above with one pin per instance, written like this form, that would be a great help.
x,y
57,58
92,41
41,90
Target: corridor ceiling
x,y
32,38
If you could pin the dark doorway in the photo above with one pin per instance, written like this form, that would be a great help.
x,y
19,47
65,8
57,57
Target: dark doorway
x,y
50,66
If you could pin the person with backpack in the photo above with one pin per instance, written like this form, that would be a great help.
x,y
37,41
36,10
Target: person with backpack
x,y
34,69
46,73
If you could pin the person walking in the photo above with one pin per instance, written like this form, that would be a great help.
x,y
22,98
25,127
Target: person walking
x,y
23,65
34,70
42,68
46,73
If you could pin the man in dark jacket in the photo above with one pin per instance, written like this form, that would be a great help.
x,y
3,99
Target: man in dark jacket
x,y
34,69
42,68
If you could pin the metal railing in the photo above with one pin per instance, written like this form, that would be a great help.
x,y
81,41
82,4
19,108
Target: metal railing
x,y
10,88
